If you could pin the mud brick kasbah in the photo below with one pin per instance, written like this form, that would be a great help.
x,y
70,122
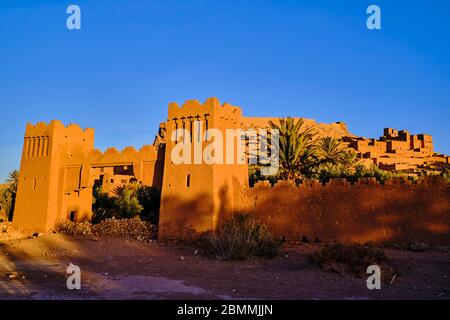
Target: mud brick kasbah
x,y
60,167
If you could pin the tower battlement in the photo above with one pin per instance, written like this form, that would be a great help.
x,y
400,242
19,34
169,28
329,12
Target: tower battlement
x,y
42,139
210,106
56,126
113,155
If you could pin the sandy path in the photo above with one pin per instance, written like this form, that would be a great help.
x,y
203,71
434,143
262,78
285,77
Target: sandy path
x,y
130,269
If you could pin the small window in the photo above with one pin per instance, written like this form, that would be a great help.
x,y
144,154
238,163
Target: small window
x,y
112,180
34,184
188,180
73,216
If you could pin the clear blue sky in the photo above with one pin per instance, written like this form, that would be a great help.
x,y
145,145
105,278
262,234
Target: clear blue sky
x,y
311,59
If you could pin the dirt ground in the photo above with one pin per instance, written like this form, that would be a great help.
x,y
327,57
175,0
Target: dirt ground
x,y
118,268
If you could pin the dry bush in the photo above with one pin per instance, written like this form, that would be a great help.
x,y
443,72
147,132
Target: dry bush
x,y
8,233
413,246
3,216
352,258
240,237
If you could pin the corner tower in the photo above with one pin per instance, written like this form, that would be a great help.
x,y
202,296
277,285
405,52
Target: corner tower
x,y
53,175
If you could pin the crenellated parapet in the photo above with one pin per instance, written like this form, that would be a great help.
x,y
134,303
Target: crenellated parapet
x,y
193,115
128,154
210,106
56,127
338,182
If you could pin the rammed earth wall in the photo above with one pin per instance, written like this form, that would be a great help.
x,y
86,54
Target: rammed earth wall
x,y
365,211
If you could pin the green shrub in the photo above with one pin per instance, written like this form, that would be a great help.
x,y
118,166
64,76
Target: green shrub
x,y
446,175
240,237
373,171
329,172
103,206
126,202
5,203
8,196
254,175
351,258
130,201
149,198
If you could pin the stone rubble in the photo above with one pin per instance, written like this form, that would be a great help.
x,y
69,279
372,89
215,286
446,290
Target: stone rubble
x,y
127,228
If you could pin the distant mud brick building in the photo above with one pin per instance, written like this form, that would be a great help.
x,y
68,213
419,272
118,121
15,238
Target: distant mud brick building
x,y
399,151
60,169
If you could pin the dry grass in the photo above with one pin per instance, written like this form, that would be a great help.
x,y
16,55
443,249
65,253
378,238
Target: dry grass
x,y
241,237
352,258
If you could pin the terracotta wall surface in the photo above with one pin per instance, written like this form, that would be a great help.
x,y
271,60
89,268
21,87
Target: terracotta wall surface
x,y
366,211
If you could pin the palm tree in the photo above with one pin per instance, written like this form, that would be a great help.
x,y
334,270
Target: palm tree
x,y
334,155
13,181
11,191
126,201
297,153
331,151
350,160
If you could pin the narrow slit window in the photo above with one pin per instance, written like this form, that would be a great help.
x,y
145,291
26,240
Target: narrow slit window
x,y
176,132
184,131
27,147
188,180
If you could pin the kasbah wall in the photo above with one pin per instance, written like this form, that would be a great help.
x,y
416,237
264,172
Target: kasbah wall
x,y
367,211
60,169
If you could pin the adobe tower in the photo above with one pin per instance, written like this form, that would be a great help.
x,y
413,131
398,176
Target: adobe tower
x,y
197,195
49,185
